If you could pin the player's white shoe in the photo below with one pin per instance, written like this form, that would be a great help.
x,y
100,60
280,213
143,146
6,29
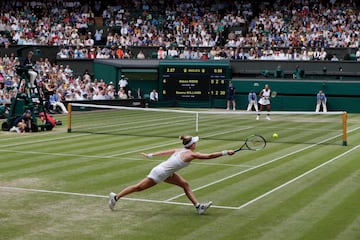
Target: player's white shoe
x,y
257,117
202,207
112,201
268,118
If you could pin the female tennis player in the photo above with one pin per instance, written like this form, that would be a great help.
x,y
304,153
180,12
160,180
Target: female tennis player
x,y
167,171
264,101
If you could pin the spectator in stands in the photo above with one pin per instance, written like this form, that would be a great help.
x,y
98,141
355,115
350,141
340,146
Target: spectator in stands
x,y
317,54
323,54
321,101
55,102
357,54
91,54
98,36
154,96
252,55
4,100
140,55
173,52
334,58
120,53
241,55
123,82
63,53
161,53
122,93
127,53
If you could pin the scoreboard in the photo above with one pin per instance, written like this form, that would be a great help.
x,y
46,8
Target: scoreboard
x,y
193,81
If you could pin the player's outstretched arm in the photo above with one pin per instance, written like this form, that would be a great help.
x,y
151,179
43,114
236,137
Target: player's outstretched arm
x,y
205,156
160,153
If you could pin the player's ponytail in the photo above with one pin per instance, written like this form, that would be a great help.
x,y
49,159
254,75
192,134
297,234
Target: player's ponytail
x,y
185,139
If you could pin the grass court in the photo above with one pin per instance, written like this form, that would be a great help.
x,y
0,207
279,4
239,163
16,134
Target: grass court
x,y
303,185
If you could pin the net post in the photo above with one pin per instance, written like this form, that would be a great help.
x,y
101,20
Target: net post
x,y
344,122
197,122
69,117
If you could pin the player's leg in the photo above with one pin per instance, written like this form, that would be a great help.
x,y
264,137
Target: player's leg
x,y
178,180
228,104
234,104
261,108
268,112
140,186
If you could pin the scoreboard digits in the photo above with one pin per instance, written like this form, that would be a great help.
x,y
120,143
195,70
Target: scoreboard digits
x,y
190,82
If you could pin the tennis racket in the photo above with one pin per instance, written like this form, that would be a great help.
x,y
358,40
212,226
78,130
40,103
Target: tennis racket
x,y
273,94
254,143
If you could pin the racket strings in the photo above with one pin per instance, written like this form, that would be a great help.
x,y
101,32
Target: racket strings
x,y
255,143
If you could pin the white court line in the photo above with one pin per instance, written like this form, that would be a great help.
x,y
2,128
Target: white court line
x,y
298,177
44,140
258,166
103,196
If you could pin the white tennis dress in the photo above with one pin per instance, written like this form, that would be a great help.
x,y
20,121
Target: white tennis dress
x,y
165,169
264,100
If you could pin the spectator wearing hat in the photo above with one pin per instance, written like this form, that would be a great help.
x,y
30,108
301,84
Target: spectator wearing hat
x,y
161,54
110,85
123,82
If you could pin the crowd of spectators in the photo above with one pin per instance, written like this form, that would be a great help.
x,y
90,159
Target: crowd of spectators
x,y
243,29
55,82
231,25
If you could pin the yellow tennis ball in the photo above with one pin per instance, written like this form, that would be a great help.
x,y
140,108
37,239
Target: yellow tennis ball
x,y
275,135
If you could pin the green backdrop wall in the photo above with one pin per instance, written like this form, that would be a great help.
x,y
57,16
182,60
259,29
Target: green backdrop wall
x,y
301,95
293,95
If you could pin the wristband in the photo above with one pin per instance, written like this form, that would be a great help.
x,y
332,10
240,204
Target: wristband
x,y
150,155
225,152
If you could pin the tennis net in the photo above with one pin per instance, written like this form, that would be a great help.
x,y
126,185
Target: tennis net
x,y
291,127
